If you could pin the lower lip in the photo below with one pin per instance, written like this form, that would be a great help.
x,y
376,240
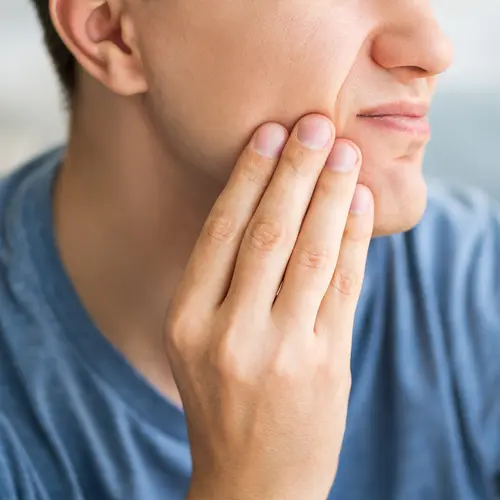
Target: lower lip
x,y
417,126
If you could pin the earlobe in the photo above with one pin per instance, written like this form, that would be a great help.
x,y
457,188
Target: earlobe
x,y
93,33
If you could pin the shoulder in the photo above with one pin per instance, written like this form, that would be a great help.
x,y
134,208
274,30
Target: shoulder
x,y
16,181
21,301
23,200
22,190
22,350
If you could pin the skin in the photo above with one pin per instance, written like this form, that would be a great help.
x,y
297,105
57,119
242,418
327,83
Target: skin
x,y
169,94
264,367
278,60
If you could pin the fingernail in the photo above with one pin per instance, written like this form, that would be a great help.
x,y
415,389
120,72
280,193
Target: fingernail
x,y
361,200
314,132
342,158
270,140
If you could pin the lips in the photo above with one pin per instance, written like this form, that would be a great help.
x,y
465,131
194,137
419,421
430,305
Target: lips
x,y
400,108
399,116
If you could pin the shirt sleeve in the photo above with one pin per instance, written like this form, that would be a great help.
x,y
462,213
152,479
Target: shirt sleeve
x,y
18,480
462,243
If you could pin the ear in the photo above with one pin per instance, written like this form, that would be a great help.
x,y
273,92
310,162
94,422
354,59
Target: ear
x,y
101,37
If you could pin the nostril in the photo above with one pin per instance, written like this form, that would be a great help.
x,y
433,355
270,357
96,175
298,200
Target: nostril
x,y
418,69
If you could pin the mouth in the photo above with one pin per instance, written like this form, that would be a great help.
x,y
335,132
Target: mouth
x,y
402,117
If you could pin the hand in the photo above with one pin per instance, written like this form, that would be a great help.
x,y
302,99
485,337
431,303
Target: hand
x,y
264,376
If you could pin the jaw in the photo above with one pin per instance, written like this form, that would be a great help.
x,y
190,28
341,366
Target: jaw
x,y
399,192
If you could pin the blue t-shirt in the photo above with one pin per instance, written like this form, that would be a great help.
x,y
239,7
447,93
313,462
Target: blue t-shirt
x,y
78,422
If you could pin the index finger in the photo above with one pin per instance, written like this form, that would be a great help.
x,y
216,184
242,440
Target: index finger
x,y
210,267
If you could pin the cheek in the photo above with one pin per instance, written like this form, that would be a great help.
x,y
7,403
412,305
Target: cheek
x,y
235,72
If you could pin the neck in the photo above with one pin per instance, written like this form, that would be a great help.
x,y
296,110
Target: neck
x,y
127,216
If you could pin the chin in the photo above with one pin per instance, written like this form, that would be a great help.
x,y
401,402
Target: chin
x,y
400,197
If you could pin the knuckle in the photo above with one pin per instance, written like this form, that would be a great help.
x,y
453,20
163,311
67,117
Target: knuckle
x,y
327,184
229,363
346,282
326,364
257,170
266,235
358,233
287,369
338,374
295,160
338,371
335,187
313,258
179,334
220,227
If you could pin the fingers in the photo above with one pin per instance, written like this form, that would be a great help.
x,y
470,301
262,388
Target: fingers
x,y
336,313
316,251
272,232
210,268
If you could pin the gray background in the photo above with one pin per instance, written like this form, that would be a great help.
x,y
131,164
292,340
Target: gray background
x,y
466,114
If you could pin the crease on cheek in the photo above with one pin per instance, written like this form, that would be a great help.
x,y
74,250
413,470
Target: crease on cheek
x,y
353,88
341,108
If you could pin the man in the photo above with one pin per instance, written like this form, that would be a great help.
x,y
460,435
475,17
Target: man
x,y
153,265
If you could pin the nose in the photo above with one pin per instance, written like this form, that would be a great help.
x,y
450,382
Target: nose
x,y
412,46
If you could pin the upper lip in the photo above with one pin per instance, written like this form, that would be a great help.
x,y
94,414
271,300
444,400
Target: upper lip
x,y
399,108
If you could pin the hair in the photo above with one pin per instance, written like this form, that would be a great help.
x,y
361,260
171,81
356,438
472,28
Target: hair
x,y
63,60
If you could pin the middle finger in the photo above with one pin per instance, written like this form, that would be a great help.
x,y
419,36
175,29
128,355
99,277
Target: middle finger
x,y
271,234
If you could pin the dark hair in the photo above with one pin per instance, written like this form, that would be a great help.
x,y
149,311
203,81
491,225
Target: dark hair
x,y
63,60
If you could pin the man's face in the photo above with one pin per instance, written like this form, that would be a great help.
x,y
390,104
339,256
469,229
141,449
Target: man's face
x,y
218,69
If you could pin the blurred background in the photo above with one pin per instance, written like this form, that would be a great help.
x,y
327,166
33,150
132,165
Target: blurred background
x,y
466,114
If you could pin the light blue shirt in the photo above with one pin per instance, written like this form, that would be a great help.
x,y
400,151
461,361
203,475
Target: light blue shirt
x,y
78,422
